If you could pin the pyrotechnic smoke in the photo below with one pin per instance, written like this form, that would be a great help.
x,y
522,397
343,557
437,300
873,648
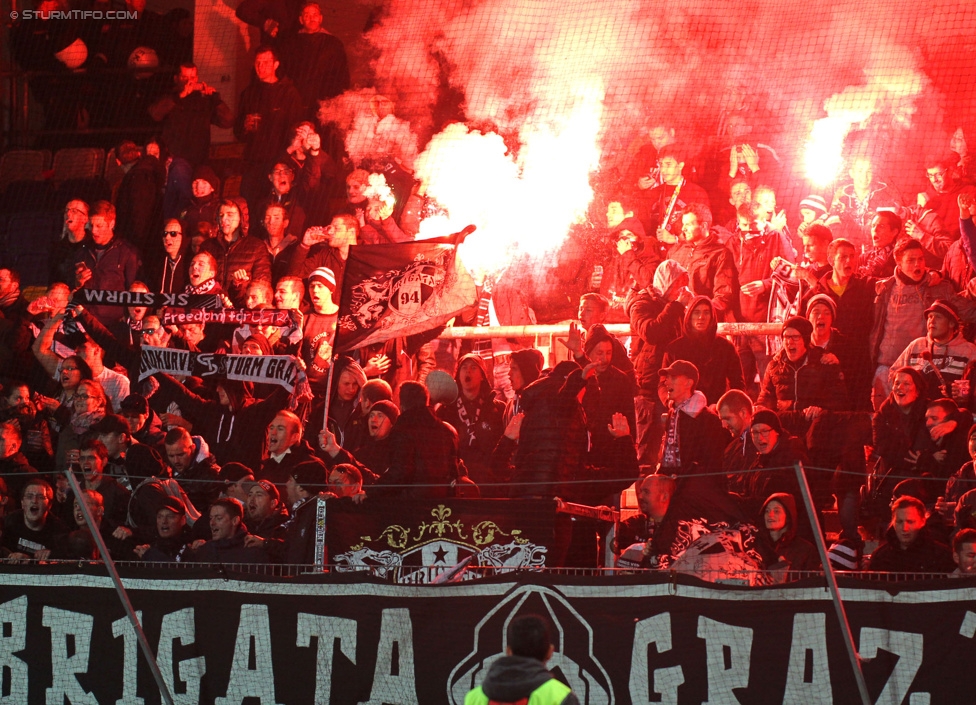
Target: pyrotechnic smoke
x,y
553,90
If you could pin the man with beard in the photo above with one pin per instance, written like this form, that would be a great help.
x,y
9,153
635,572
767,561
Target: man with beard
x,y
942,194
942,355
709,263
654,494
476,415
265,510
33,532
193,467
286,449
115,434
173,535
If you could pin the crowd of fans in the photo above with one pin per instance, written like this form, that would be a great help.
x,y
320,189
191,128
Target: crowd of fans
x,y
869,384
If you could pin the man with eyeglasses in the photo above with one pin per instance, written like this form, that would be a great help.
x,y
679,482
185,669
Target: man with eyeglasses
x,y
941,196
33,532
65,250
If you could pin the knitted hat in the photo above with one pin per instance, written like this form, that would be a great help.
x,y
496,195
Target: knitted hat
x,y
945,308
262,342
530,363
768,417
474,357
815,203
387,408
268,488
801,326
323,275
822,299
596,335
309,475
205,173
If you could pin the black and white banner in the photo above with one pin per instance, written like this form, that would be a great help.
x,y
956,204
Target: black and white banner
x,y
150,300
234,316
282,370
224,640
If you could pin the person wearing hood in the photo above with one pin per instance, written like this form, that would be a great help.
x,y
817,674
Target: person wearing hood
x,y
477,416
899,310
800,378
524,369
718,364
192,466
205,201
240,257
608,391
145,423
781,549
233,424
520,675
694,438
898,426
655,315
709,263
942,355
632,266
909,546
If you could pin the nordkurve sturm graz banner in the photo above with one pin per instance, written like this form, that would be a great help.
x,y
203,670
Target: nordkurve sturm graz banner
x,y
282,370
391,291
223,639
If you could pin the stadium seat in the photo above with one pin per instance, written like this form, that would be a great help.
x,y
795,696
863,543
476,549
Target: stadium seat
x,y
78,163
87,190
23,165
25,196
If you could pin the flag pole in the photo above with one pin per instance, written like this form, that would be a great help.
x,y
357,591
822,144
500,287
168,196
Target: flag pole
x,y
332,359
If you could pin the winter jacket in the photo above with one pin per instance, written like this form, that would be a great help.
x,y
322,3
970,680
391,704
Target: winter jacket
x,y
807,382
924,555
950,359
519,679
654,323
607,393
247,253
113,267
279,472
229,550
715,357
711,267
701,440
425,453
280,108
899,314
199,480
752,258
895,433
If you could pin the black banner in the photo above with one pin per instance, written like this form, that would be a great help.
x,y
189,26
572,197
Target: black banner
x,y
391,291
410,542
223,639
236,316
282,370
147,299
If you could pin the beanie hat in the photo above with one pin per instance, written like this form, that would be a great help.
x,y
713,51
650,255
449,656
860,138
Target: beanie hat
x,y
323,275
309,475
206,173
262,341
801,326
822,299
387,408
815,203
476,359
530,362
768,417
597,334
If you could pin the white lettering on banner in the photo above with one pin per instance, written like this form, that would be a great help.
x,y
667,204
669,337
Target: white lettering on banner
x,y
664,681
130,659
399,688
809,637
178,626
13,613
327,630
908,648
247,682
968,626
64,668
723,679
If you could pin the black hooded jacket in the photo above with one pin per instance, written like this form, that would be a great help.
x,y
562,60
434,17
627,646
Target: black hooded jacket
x,y
798,552
715,357
513,679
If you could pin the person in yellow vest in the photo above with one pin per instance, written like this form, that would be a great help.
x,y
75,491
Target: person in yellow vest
x,y
521,676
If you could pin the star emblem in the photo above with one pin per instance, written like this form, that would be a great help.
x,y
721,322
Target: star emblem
x,y
440,554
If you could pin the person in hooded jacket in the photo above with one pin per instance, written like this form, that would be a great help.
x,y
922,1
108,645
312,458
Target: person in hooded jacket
x,y
477,416
524,369
520,676
632,266
898,426
778,543
234,425
719,366
205,201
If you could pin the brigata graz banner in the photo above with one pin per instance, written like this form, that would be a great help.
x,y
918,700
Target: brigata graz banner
x,y
223,639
